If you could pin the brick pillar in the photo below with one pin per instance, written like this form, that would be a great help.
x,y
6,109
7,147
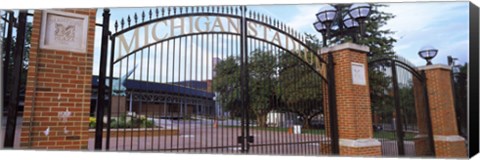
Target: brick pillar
x,y
353,101
447,141
57,80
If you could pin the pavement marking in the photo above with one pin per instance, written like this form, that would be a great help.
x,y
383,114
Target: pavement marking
x,y
188,136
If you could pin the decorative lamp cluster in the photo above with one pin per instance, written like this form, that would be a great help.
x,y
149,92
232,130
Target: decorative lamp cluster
x,y
332,17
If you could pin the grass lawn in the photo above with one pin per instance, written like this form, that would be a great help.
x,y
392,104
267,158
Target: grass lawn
x,y
275,129
390,135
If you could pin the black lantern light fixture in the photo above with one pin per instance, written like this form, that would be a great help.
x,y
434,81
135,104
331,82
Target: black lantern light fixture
x,y
341,20
428,52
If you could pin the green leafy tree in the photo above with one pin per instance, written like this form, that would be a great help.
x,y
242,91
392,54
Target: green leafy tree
x,y
227,83
301,89
283,84
460,89
263,81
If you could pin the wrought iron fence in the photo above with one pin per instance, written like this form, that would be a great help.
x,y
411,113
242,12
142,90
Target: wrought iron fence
x,y
400,111
215,90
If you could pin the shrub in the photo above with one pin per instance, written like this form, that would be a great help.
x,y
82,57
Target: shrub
x,y
122,122
93,122
146,124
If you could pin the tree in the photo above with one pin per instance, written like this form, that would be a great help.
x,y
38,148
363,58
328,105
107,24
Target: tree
x,y
262,84
283,82
262,81
460,89
380,92
379,40
227,84
301,89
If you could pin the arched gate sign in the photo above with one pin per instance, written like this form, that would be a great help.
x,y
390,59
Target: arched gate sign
x,y
212,79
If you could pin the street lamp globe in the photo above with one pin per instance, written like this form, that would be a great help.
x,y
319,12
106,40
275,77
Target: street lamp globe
x,y
349,22
360,11
320,27
326,15
428,52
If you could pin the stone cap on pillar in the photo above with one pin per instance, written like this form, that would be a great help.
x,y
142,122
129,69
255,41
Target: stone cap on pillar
x,y
434,66
347,45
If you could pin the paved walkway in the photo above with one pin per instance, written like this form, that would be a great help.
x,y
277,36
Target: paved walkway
x,y
18,129
198,137
202,137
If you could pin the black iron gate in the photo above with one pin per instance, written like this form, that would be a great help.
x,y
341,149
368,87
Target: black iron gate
x,y
14,68
400,111
211,79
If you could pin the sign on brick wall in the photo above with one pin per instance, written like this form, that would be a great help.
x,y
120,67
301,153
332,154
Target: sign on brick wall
x,y
64,31
358,73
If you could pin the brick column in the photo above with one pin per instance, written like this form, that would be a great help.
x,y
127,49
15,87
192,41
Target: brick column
x,y
447,141
353,101
56,81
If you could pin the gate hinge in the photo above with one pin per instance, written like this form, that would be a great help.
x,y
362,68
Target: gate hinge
x,y
248,138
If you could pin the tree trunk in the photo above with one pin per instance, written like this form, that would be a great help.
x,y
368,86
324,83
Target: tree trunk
x,y
306,122
262,120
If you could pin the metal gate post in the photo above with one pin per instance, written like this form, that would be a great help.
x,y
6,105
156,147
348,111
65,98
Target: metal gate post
x,y
8,45
428,115
101,81
112,52
1,91
398,115
332,104
244,81
17,73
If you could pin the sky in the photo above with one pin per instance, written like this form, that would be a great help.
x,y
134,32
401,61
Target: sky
x,y
443,25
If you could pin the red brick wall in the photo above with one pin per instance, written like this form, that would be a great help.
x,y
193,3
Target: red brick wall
x,y
58,80
353,101
445,149
442,112
441,102
364,151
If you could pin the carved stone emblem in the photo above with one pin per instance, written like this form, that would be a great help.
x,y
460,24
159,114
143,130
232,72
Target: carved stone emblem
x,y
64,31
358,74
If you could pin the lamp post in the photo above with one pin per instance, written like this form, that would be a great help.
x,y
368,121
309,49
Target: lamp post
x,y
342,20
428,52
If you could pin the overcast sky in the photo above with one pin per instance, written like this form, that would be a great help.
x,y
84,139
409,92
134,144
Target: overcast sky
x,y
443,25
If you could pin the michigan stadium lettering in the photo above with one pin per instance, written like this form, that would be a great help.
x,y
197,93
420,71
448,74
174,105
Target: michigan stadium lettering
x,y
150,33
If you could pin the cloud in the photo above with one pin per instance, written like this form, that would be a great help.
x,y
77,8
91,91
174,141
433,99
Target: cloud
x,y
441,24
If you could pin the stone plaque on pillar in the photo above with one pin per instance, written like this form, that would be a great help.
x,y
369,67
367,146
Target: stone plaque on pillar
x,y
64,31
358,73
